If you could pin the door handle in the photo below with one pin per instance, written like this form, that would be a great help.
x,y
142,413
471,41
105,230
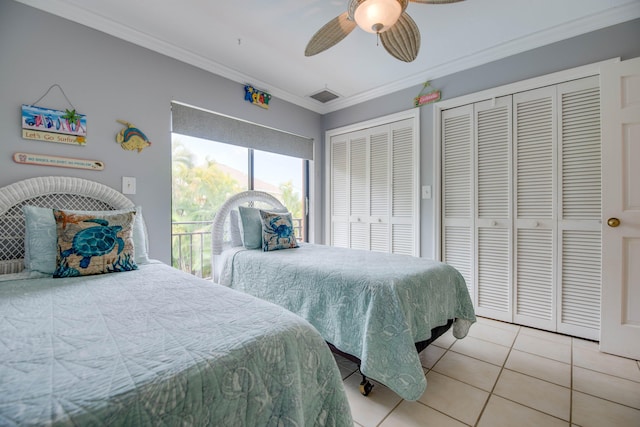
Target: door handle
x,y
613,222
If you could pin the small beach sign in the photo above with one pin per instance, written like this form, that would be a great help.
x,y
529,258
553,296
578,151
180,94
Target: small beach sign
x,y
46,124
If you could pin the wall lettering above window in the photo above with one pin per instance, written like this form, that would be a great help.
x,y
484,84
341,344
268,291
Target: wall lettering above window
x,y
256,97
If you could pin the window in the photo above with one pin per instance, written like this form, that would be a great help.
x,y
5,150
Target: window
x,y
215,156
283,177
209,165
206,173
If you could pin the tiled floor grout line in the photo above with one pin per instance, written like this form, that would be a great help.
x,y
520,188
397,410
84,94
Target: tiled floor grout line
x,y
447,350
608,374
571,385
484,407
605,399
532,354
390,412
417,401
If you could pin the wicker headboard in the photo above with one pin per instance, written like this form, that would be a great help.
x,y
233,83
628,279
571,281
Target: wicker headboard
x,y
250,197
48,192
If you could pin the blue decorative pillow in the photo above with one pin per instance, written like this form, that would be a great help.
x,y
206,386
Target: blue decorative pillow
x,y
139,232
234,228
251,227
277,231
93,244
39,239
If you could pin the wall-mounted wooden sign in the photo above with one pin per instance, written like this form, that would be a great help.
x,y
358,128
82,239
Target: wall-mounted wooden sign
x,y
46,124
426,98
256,97
61,162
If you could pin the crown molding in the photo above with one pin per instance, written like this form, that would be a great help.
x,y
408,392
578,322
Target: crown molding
x,y
594,22
89,19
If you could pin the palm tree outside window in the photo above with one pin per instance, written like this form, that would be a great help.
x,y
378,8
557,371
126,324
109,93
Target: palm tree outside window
x,y
205,173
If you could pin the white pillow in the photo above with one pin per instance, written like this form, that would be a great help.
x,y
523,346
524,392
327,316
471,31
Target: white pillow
x,y
234,228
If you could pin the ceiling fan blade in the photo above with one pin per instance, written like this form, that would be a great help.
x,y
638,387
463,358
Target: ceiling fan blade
x,y
402,40
329,35
435,1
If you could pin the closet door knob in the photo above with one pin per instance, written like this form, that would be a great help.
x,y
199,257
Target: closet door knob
x,y
613,222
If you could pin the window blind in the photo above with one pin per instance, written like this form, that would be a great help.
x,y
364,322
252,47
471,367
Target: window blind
x,y
192,121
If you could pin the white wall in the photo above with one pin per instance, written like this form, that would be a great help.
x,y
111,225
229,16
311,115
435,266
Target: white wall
x,y
107,79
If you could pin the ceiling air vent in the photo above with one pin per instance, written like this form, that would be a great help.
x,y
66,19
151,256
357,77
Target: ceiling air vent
x,y
324,96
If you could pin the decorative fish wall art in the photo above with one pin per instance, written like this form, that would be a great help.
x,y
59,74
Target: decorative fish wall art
x,y
131,138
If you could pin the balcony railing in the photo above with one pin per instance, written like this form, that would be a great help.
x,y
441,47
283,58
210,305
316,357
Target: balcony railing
x,y
191,246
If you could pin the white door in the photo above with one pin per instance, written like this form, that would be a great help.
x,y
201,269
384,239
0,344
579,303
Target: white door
x,y
493,208
620,330
535,225
579,212
405,175
457,196
358,191
379,190
339,191
374,174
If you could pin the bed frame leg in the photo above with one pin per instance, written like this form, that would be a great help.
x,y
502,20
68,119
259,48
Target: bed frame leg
x,y
365,386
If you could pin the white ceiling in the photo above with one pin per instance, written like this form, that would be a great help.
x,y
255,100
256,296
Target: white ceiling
x,y
262,42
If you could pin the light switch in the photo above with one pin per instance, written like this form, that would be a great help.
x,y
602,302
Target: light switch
x,y
128,185
426,191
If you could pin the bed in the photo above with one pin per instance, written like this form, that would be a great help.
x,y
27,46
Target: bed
x,y
149,346
379,310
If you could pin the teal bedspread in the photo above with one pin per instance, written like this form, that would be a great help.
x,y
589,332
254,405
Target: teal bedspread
x,y
158,347
371,305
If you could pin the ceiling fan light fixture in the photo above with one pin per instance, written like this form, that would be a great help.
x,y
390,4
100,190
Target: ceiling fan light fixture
x,y
388,19
377,16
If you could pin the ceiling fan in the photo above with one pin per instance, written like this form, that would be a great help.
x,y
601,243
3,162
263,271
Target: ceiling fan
x,y
399,33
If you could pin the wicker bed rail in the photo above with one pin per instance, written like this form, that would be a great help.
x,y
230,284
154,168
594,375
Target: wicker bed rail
x,y
49,192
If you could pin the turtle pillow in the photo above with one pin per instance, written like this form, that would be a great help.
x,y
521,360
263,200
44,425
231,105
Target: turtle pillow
x,y
93,244
40,248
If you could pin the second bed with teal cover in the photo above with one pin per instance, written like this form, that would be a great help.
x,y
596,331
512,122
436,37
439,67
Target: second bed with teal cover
x,y
371,305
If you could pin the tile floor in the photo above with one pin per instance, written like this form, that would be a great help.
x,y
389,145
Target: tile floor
x,y
504,375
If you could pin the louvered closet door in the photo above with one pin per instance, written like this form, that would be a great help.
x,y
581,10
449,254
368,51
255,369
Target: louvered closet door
x,y
358,191
339,191
374,175
457,194
404,194
535,220
579,208
493,208
379,184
